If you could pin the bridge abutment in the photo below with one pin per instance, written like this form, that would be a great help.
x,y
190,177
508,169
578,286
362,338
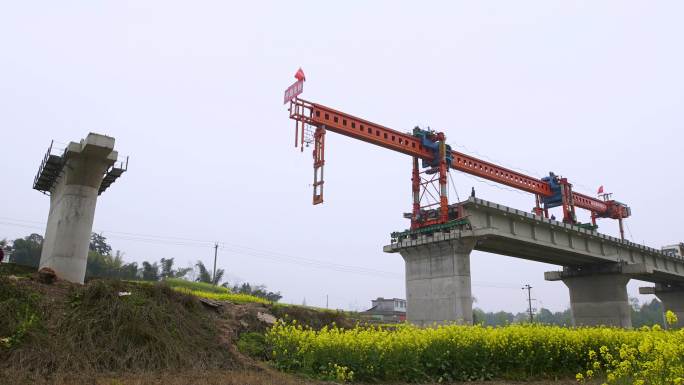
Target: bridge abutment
x,y
438,288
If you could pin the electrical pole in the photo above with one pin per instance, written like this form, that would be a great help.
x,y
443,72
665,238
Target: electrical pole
x,y
213,277
529,301
326,301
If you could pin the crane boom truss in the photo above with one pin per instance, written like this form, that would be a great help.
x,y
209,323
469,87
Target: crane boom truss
x,y
326,118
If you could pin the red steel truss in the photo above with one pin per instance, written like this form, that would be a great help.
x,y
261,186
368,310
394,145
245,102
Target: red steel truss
x,y
328,119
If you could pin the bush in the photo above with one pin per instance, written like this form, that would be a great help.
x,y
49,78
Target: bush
x,y
18,313
253,344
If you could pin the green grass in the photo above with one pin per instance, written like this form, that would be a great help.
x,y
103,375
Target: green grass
x,y
16,270
94,329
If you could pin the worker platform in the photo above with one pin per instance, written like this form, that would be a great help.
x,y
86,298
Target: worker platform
x,y
53,163
595,266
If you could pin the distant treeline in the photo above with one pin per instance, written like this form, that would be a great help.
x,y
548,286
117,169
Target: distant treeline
x,y
102,263
647,314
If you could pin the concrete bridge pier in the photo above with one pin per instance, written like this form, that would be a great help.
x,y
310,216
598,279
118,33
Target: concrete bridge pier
x,y
596,298
438,286
672,297
74,180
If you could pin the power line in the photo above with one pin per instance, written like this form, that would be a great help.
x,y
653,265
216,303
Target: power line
x,y
241,250
630,231
509,166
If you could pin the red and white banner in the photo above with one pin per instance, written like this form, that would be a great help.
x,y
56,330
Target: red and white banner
x,y
292,91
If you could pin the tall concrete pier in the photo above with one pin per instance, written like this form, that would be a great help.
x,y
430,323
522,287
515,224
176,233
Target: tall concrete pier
x,y
597,297
595,267
74,179
438,282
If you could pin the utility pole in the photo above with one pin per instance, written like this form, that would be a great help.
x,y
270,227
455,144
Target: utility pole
x,y
213,277
529,301
326,301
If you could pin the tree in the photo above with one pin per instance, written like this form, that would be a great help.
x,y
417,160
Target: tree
x,y
167,270
257,291
102,266
99,244
545,316
110,266
129,271
205,276
150,272
648,314
4,246
26,251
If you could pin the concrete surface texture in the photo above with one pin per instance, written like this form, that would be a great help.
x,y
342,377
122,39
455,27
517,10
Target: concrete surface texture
x,y
597,300
438,287
73,198
596,267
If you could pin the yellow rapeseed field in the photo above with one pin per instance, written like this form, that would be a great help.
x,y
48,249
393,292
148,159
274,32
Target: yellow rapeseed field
x,y
453,352
227,296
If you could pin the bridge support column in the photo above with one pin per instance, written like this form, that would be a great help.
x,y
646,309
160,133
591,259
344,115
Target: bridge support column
x,y
672,297
73,181
438,282
596,298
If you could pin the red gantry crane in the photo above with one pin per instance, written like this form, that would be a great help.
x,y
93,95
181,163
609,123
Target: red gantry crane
x,y
432,159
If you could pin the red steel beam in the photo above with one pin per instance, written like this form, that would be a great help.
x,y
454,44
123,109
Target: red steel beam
x,y
345,124
487,170
589,203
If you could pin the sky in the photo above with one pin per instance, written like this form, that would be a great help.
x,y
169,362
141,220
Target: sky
x,y
192,92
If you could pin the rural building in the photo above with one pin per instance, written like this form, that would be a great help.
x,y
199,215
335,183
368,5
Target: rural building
x,y
387,310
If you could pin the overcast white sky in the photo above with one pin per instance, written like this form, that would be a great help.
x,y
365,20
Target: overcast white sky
x,y
192,91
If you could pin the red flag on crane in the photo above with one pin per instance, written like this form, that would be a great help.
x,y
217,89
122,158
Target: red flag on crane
x,y
300,74
600,190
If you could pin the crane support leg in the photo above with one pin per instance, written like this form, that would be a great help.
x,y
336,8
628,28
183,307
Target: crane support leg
x,y
318,163
537,207
443,192
568,202
415,189
622,229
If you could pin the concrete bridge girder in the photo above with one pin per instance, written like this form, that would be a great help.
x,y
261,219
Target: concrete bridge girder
x,y
607,262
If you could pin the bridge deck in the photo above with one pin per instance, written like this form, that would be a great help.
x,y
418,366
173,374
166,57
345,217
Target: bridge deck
x,y
503,230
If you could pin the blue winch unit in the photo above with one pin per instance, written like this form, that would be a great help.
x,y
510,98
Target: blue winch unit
x,y
556,199
428,140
